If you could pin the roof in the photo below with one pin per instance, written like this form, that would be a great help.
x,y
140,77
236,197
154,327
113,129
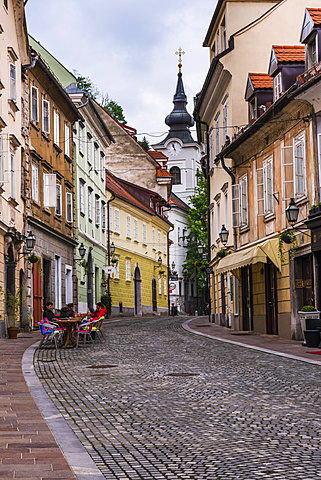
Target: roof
x,y
177,202
315,14
162,172
114,186
289,53
157,155
261,80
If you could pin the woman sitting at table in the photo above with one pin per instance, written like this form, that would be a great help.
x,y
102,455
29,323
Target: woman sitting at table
x,y
100,311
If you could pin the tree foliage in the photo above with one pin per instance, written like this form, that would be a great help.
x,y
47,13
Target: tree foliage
x,y
144,143
112,107
197,228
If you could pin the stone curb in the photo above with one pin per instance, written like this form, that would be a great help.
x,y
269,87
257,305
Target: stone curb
x,y
252,347
75,453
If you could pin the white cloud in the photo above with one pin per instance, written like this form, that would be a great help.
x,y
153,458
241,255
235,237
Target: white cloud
x,y
128,49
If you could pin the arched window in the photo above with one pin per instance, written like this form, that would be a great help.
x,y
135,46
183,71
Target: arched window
x,y
176,175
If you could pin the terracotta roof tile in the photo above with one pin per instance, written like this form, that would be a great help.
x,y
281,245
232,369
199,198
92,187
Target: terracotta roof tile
x,y
161,172
289,53
261,80
157,155
174,200
315,14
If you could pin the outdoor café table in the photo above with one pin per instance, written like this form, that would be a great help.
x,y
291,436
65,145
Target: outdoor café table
x,y
71,325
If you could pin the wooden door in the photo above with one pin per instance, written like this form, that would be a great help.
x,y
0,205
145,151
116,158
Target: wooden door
x,y
271,299
37,295
247,301
154,295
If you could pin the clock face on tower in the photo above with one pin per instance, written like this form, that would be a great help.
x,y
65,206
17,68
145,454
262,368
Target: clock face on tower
x,y
174,148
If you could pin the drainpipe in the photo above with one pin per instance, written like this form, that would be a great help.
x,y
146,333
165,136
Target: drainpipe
x,y
168,270
231,174
108,240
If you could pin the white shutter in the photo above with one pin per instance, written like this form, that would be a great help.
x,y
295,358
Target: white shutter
x,y
58,199
144,233
49,190
128,227
34,104
260,191
69,207
110,218
211,152
127,270
45,116
56,128
136,229
13,82
35,188
67,140
236,205
287,172
116,220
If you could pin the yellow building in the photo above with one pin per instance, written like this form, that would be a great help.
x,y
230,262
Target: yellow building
x,y
137,248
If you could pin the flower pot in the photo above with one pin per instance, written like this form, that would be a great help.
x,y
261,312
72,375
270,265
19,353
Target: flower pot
x,y
221,254
287,239
307,315
13,332
33,260
312,338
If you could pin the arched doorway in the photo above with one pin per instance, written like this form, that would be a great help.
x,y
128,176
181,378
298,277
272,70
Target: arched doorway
x,y
10,271
90,281
154,294
137,291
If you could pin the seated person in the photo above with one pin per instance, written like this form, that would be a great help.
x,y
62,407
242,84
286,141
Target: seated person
x,y
100,311
48,313
67,311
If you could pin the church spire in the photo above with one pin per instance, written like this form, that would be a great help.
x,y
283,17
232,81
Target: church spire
x,y
179,120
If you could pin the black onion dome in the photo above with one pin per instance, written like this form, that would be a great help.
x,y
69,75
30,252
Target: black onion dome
x,y
179,118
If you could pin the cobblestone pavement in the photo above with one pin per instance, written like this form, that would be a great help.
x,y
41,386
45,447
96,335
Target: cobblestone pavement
x,y
235,413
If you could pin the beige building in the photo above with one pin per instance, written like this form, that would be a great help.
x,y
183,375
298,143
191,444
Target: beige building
x,y
239,39
14,56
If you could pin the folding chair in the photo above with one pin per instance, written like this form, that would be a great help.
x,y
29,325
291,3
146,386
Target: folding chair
x,y
50,333
85,330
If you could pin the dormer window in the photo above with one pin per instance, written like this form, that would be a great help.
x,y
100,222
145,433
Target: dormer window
x,y
311,52
277,86
252,110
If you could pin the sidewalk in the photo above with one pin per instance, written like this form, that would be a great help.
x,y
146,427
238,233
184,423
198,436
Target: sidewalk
x,y
266,343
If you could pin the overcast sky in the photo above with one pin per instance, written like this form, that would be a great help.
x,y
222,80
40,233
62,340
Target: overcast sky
x,y
128,48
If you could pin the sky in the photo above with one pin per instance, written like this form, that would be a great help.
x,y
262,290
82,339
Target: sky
x,y
128,50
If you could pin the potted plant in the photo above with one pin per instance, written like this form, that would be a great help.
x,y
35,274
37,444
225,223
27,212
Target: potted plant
x,y
35,259
13,305
221,253
306,313
289,238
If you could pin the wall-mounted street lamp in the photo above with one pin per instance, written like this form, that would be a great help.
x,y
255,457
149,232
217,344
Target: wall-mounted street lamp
x,y
159,261
82,253
292,212
173,265
200,248
30,244
112,248
223,235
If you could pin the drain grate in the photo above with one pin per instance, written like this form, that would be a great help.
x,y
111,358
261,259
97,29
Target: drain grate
x,y
202,326
181,374
102,366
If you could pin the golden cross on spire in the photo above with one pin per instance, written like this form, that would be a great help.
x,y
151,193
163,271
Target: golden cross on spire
x,y
180,52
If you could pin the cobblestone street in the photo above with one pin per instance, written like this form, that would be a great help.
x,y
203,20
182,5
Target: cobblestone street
x,y
154,401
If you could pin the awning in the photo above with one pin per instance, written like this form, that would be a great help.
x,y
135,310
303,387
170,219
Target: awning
x,y
256,254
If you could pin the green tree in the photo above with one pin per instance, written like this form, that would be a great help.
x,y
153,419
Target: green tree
x,y
112,107
144,143
197,227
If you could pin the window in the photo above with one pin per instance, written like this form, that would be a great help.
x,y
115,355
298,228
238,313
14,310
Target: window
x,y
128,227
69,207
299,167
34,105
116,220
67,141
136,229
127,270
82,197
226,209
5,3
56,128
225,120
165,285
165,245
89,148
97,210
35,182
252,111
223,28
217,134
160,284
90,204
116,266
58,199
211,152
103,215
68,283
268,185
81,138
57,282
154,239
102,165
12,176
311,52
218,41
277,86
110,226
144,234
243,201
159,242
12,82
176,175
96,157
45,116
212,227
178,236
1,161
218,217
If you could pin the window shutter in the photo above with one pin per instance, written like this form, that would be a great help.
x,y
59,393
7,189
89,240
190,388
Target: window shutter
x,y
49,190
128,226
1,161
35,189
244,202
110,218
103,215
67,140
69,207
235,205
144,233
127,270
260,191
116,220
58,199
45,116
287,172
34,104
13,82
136,229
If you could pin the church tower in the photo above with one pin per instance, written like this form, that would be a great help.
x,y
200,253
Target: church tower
x,y
184,158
